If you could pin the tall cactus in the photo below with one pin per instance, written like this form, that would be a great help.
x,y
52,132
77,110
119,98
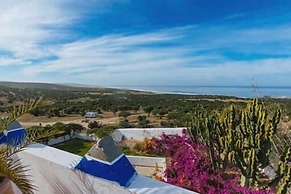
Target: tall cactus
x,y
204,129
256,131
283,178
242,137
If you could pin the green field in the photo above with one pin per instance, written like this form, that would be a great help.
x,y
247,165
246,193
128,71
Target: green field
x,y
76,146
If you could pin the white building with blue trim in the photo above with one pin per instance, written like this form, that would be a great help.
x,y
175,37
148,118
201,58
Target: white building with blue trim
x,y
104,170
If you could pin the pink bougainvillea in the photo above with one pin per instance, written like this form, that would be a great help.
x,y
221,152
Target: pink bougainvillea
x,y
190,167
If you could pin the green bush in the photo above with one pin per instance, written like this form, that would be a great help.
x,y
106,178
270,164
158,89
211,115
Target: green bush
x,y
90,131
105,131
94,124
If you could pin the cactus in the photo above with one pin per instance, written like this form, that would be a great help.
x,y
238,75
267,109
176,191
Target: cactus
x,y
286,182
203,129
243,138
283,178
256,132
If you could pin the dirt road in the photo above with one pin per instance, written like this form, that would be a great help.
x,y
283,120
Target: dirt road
x,y
29,120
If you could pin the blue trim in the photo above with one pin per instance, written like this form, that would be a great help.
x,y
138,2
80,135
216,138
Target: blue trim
x,y
120,171
14,137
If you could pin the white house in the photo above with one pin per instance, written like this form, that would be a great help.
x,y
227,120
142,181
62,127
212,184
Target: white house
x,y
105,170
53,171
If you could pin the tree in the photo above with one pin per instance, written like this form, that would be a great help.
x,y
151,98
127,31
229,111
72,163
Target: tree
x,y
105,131
135,108
94,124
124,114
155,112
73,128
12,169
148,110
162,112
167,124
36,112
142,121
114,110
125,124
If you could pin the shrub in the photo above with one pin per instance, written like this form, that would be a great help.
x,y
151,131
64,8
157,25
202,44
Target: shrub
x,y
94,124
105,131
90,131
190,167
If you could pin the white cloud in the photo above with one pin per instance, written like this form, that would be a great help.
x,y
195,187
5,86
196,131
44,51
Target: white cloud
x,y
39,31
113,52
30,28
26,24
4,61
145,51
229,73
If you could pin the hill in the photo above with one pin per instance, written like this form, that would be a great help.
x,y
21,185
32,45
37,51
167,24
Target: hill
x,y
48,86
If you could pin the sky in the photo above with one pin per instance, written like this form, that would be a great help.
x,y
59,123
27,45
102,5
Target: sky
x,y
146,42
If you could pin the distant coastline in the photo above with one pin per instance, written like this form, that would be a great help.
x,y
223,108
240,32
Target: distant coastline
x,y
227,91
237,91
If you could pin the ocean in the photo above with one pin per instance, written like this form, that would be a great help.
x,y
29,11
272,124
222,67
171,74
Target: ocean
x,y
238,91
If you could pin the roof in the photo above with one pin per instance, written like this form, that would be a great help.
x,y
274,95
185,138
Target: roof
x,y
63,158
146,185
14,125
52,171
120,170
15,134
106,160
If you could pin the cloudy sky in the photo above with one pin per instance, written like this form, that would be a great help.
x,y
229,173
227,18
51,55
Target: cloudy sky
x,y
146,42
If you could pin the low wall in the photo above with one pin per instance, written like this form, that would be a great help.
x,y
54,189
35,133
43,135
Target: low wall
x,y
58,140
84,137
62,139
141,133
147,161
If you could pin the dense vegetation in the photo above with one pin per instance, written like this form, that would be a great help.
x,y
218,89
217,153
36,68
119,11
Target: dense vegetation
x,y
170,109
228,152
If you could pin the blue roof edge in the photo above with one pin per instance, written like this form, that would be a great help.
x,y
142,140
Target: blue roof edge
x,y
120,171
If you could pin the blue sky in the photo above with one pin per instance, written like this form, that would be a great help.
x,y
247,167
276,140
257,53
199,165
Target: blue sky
x,y
146,42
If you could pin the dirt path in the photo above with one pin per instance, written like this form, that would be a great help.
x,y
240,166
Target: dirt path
x,y
107,118
29,120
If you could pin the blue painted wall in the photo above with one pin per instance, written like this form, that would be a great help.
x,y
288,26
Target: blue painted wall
x,y
14,137
121,171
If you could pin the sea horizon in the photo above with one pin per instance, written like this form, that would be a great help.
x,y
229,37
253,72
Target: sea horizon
x,y
236,91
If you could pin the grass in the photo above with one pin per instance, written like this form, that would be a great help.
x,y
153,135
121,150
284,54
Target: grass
x,y
76,146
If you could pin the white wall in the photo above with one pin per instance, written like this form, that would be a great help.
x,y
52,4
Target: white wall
x,y
54,176
141,133
84,137
62,139
147,161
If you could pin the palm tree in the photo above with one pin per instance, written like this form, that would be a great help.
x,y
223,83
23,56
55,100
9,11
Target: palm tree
x,y
11,168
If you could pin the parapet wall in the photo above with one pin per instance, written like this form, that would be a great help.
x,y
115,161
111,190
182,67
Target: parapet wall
x,y
148,166
64,138
141,133
147,161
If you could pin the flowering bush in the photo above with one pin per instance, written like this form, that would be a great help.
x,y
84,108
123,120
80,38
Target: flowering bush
x,y
190,167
